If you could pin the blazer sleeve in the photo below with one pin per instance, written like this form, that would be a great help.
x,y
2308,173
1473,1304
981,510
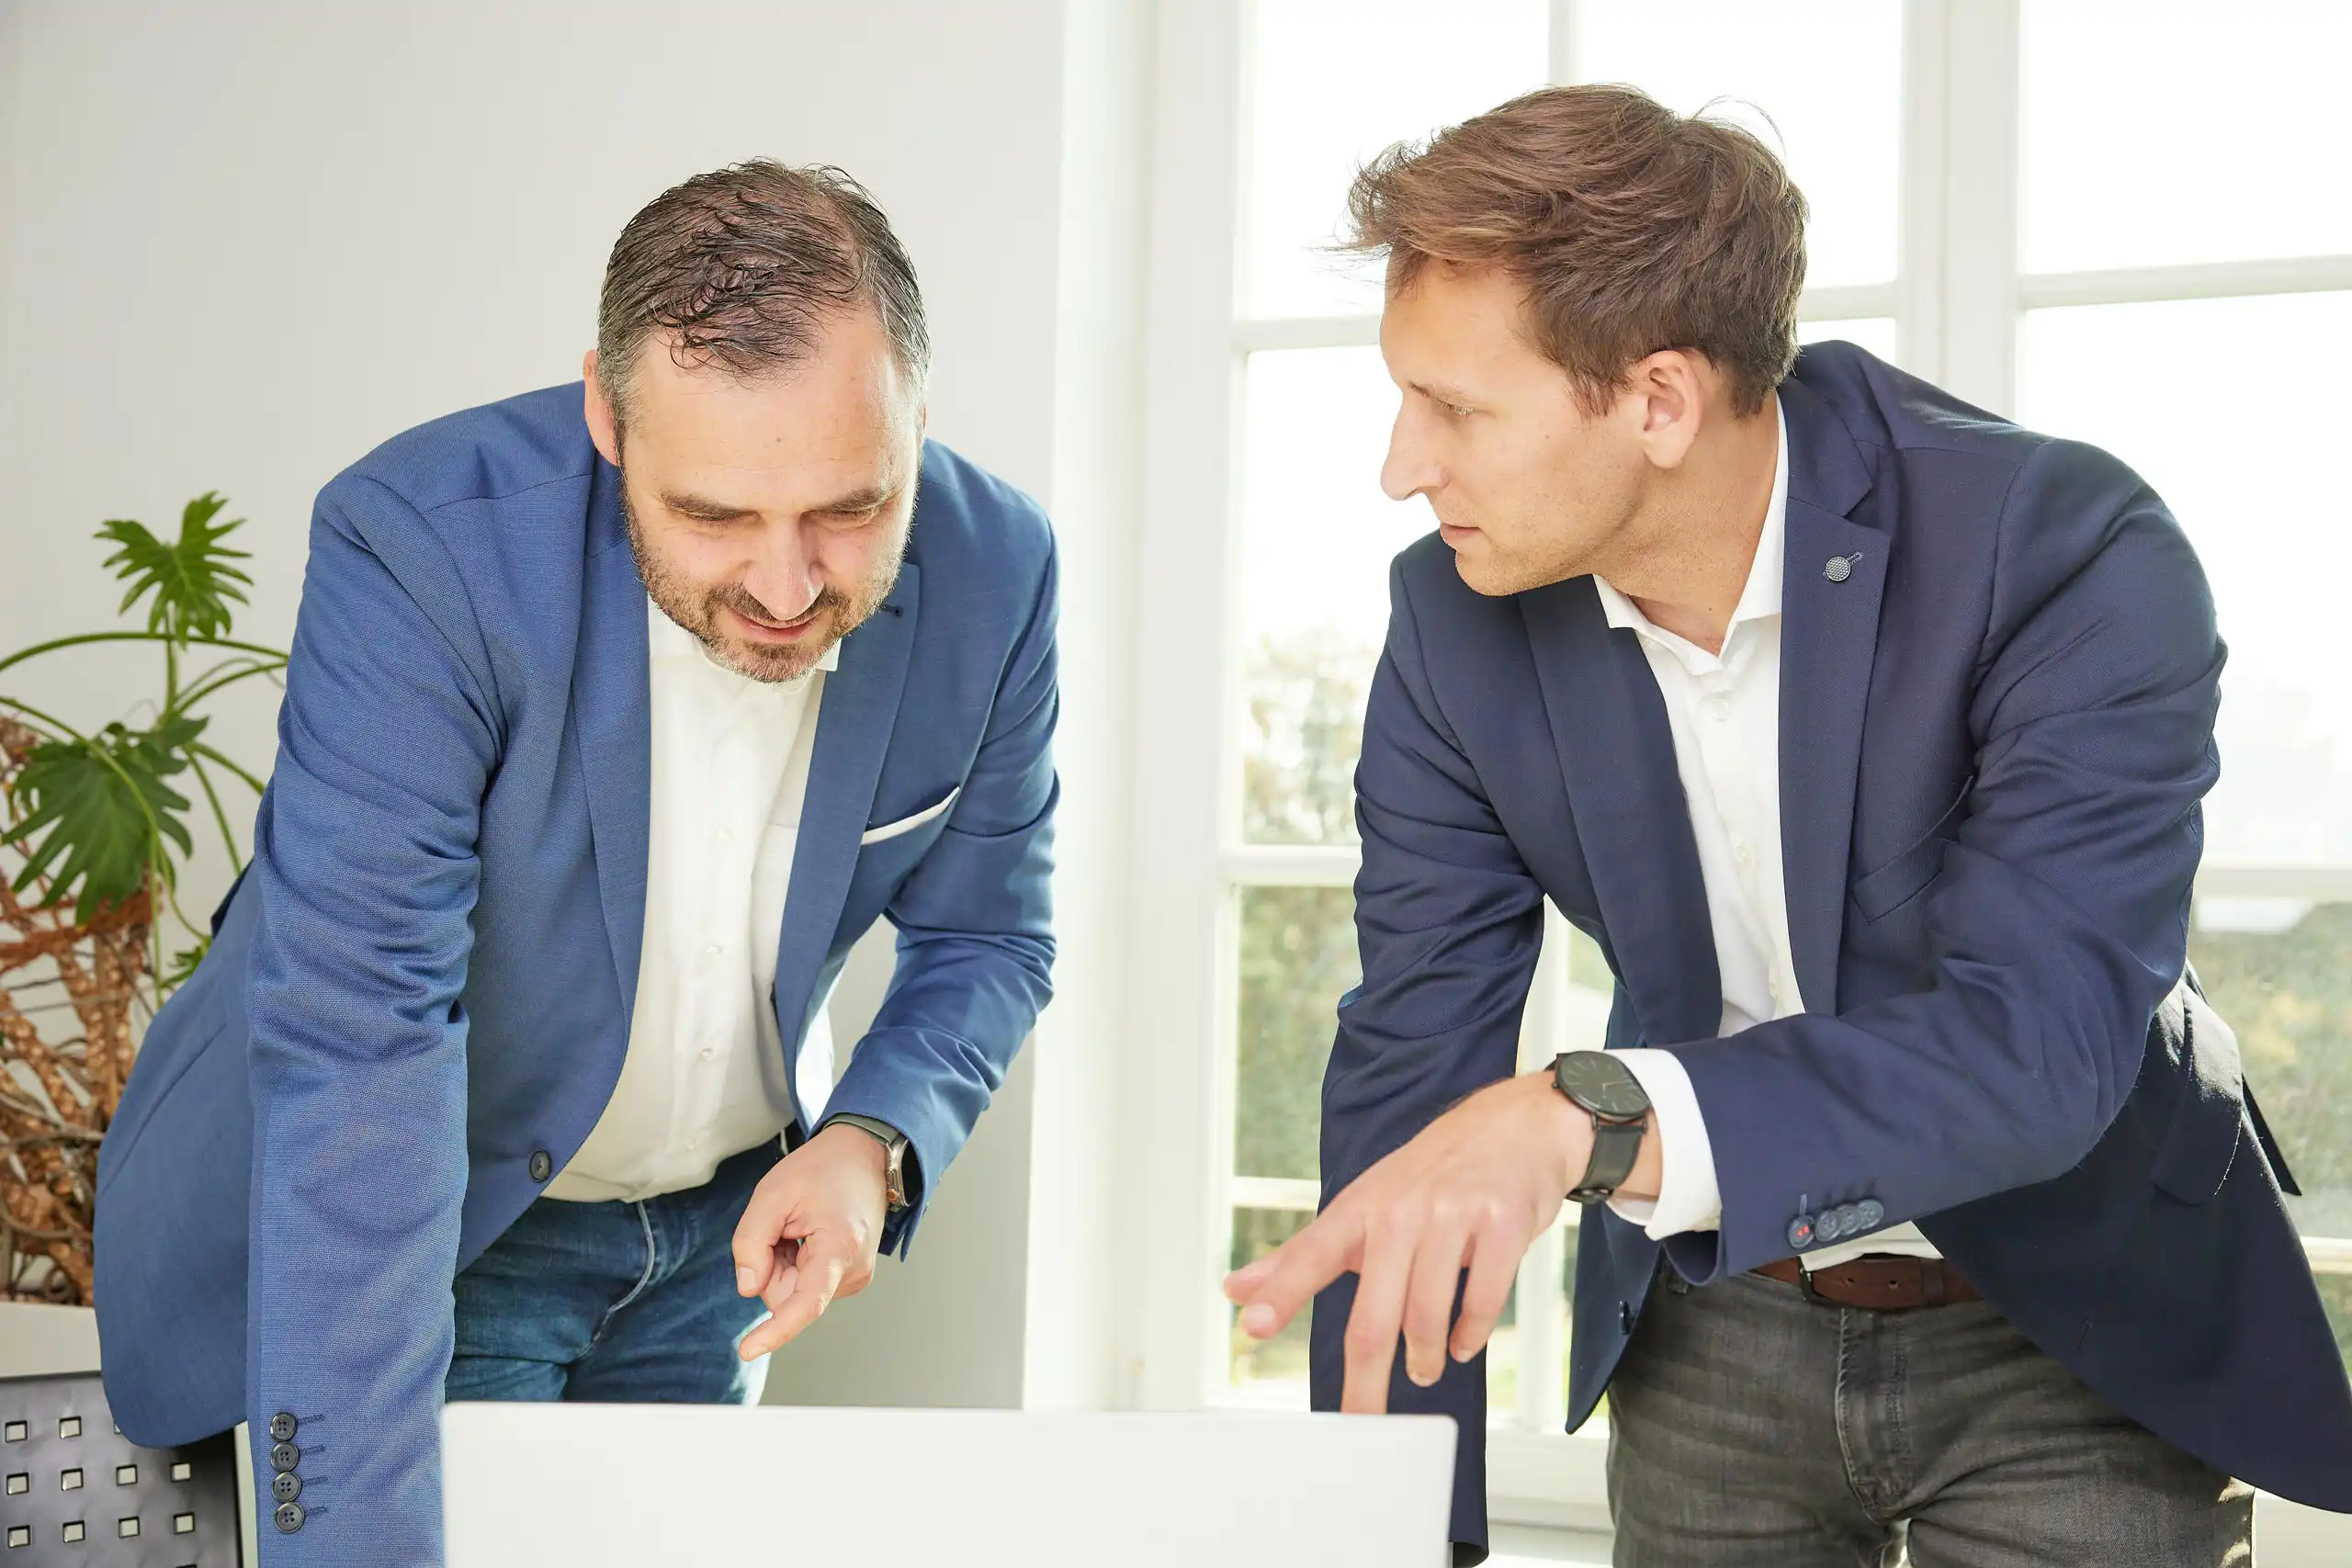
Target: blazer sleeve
x,y
365,854
975,924
1449,921
2060,918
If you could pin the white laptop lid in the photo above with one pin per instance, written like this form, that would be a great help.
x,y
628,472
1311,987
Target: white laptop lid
x,y
632,1485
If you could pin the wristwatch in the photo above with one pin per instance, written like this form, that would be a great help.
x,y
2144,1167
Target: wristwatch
x,y
894,1144
1606,1088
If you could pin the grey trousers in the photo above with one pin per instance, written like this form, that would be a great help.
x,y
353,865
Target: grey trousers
x,y
1751,1425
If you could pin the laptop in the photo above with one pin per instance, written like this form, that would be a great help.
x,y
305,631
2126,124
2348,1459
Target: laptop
x,y
631,1485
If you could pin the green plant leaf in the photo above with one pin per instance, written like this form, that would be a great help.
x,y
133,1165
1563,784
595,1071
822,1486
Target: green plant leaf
x,y
191,579
96,809
183,967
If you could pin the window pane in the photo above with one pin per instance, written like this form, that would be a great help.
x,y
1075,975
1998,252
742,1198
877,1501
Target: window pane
x,y
1875,333
1317,538
2281,973
1298,955
1337,82
1826,74
2252,479
2162,131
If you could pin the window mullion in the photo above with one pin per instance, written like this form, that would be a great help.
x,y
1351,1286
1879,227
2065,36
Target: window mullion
x,y
1182,953
1920,197
1981,135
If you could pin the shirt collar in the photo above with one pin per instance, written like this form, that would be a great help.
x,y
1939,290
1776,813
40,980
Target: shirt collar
x,y
666,639
1757,600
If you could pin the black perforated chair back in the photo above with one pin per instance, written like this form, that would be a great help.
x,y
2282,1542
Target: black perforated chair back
x,y
76,1491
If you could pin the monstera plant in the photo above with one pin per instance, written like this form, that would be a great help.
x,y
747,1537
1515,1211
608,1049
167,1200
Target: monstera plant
x,y
94,830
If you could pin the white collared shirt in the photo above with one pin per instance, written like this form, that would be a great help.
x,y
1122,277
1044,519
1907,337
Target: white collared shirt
x,y
1724,712
706,1076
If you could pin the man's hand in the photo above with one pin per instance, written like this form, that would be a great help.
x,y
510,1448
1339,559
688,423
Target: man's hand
x,y
810,1232
1474,1190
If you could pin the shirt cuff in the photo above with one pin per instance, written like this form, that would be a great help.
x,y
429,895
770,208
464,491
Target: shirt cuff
x,y
1687,1198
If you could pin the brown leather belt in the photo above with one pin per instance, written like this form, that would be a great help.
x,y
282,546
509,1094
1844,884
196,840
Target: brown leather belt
x,y
1882,1283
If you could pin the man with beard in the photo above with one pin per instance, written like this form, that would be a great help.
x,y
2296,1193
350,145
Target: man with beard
x,y
507,1074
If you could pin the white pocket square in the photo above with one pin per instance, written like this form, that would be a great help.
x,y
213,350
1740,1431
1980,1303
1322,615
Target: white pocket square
x,y
909,824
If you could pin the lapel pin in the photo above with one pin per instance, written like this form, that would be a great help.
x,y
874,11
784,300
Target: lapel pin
x,y
1841,567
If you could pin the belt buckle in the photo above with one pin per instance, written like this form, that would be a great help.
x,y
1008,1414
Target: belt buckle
x,y
1812,1292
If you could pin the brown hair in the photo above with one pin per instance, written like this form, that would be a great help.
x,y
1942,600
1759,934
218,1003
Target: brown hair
x,y
1633,229
743,265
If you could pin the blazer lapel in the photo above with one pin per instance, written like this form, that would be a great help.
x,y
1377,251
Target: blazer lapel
x,y
1828,640
1616,751
854,720
611,716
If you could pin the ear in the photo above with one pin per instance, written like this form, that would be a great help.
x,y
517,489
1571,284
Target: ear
x,y
1671,396
604,428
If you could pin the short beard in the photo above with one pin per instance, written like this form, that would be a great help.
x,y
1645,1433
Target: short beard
x,y
695,607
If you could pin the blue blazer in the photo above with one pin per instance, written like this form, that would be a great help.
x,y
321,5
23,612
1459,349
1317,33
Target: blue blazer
x,y
417,1003
1995,735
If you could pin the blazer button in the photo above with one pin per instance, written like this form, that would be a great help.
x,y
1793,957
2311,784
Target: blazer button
x,y
1625,1318
542,1167
1800,1232
1870,1212
289,1517
282,1427
284,1456
287,1487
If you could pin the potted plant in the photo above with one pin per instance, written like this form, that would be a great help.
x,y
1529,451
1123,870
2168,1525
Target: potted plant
x,y
94,830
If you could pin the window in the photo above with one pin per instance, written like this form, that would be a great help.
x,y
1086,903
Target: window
x,y
2179,296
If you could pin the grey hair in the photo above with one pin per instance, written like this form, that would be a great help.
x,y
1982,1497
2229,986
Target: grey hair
x,y
742,266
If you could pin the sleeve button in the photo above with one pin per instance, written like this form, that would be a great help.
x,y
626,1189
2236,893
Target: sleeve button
x,y
1801,1231
282,1427
289,1517
284,1456
287,1487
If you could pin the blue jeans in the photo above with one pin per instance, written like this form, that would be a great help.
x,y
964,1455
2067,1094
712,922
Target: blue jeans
x,y
614,1302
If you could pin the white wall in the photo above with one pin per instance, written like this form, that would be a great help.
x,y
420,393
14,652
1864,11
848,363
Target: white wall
x,y
241,243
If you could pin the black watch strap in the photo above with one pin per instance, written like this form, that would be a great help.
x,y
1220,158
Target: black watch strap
x,y
1615,1146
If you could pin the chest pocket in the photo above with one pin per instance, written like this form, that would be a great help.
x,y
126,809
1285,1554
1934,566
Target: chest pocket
x,y
1879,893
909,824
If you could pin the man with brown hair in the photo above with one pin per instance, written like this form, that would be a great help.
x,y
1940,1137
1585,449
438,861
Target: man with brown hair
x,y
1927,1208
617,712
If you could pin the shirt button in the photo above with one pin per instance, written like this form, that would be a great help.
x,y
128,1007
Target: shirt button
x,y
1718,709
712,951
709,1055
725,837
1743,854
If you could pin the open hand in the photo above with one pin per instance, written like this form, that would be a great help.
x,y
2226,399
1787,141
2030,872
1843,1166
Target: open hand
x,y
1473,1191
810,1232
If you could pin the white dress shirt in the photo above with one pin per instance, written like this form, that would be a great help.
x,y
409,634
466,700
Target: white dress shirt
x,y
1724,712
704,1075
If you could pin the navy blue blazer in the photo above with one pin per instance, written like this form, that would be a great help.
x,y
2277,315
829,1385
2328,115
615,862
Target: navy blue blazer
x,y
1995,734
417,1002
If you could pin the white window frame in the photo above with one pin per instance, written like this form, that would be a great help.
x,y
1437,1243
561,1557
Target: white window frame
x,y
1958,303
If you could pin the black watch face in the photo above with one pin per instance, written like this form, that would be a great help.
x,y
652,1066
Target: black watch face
x,y
1599,1084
